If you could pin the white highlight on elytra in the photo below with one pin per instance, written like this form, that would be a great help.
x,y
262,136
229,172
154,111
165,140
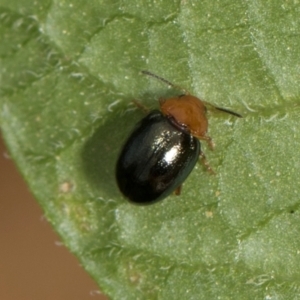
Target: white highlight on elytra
x,y
170,155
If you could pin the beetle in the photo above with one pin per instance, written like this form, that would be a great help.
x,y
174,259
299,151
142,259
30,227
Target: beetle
x,y
164,147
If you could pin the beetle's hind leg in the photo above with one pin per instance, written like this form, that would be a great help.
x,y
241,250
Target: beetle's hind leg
x,y
205,163
177,191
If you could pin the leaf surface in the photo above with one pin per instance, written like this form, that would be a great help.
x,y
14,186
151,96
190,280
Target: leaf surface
x,y
68,73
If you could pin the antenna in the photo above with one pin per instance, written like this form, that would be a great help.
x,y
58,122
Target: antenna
x,y
222,109
165,81
228,111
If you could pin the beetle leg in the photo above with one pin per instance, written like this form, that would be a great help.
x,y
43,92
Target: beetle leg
x,y
205,163
140,106
177,192
209,141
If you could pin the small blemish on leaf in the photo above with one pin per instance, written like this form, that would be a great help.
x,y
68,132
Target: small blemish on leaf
x,y
66,187
133,275
209,214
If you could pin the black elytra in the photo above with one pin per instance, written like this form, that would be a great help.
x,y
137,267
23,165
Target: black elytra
x,y
156,159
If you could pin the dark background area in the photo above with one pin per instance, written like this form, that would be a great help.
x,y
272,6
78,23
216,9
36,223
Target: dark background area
x,y
33,263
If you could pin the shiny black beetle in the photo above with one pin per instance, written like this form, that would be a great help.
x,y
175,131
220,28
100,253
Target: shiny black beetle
x,y
163,148
156,159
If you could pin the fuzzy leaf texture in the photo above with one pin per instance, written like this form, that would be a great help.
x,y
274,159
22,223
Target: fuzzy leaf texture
x,y
68,72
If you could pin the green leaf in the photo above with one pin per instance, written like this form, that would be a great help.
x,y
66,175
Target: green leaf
x,y
68,73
